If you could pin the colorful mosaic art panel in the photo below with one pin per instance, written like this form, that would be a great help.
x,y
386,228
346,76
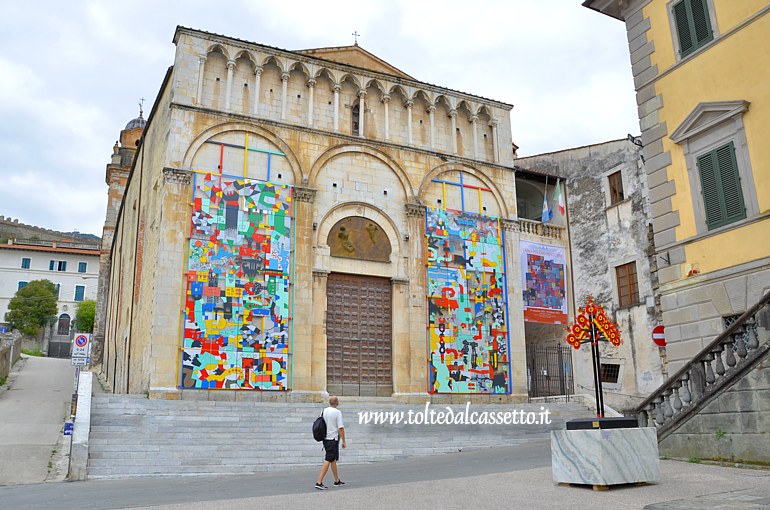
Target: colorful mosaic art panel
x,y
237,300
467,330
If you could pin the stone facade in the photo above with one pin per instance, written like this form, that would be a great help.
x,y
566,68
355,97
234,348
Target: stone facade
x,y
350,141
603,236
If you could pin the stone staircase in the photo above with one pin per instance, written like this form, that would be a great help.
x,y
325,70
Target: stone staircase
x,y
133,436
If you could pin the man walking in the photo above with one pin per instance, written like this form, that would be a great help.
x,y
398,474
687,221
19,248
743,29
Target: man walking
x,y
334,433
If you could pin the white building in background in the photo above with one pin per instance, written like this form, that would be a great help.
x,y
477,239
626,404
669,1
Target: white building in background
x,y
73,268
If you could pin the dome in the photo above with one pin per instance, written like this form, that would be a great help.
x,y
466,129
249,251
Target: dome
x,y
138,122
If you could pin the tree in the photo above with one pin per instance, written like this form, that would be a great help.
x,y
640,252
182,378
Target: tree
x,y
84,316
33,307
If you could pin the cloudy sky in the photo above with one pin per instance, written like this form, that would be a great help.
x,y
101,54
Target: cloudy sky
x,y
71,74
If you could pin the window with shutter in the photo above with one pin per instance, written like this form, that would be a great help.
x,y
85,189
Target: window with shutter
x,y
693,25
628,288
721,187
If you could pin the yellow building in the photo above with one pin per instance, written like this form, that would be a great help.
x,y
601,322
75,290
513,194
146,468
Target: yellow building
x,y
701,78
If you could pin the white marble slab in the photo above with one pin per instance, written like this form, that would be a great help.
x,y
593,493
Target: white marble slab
x,y
605,457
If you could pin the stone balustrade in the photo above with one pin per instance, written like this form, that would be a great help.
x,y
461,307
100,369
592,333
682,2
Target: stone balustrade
x,y
731,355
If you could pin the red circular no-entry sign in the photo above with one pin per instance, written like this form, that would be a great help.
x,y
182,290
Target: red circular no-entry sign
x,y
659,335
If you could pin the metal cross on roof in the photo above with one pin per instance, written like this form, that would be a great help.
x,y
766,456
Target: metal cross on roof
x,y
355,34
141,106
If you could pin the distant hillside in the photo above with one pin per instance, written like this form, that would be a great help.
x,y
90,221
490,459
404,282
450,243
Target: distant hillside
x,y
10,227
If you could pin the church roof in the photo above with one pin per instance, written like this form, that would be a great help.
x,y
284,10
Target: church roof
x,y
356,56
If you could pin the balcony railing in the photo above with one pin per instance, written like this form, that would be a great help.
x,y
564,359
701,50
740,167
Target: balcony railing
x,y
539,229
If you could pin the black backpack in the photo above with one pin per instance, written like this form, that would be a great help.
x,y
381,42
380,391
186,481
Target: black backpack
x,y
319,428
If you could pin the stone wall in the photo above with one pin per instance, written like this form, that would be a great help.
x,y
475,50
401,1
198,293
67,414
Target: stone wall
x,y
10,352
604,236
735,427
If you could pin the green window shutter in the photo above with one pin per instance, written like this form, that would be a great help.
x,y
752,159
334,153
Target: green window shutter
x,y
681,19
734,207
710,190
701,22
721,187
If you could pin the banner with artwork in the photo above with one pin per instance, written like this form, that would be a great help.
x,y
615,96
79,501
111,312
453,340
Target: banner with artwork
x,y
237,299
544,284
467,329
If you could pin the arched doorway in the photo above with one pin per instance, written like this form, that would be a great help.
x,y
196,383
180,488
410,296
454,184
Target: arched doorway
x,y
63,325
358,319
358,335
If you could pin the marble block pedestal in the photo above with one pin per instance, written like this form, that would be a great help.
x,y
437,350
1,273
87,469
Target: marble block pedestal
x,y
605,456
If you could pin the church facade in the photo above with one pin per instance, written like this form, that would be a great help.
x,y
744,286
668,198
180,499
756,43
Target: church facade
x,y
297,223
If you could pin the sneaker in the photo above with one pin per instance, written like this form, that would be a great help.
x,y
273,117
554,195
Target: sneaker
x,y
339,483
321,487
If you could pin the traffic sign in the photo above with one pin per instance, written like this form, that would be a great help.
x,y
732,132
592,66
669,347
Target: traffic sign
x,y
659,335
80,346
80,361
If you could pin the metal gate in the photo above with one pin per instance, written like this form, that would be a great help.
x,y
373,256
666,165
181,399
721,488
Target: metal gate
x,y
549,371
59,346
358,332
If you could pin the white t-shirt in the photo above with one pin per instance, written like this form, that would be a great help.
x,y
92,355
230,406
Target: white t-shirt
x,y
333,419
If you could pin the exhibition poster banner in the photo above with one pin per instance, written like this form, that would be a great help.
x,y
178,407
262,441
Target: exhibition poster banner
x,y
544,272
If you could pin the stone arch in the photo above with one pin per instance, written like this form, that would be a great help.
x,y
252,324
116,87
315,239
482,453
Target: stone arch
x,y
276,61
214,77
377,84
301,67
399,89
468,169
216,47
246,54
339,150
196,144
443,122
243,83
377,215
356,80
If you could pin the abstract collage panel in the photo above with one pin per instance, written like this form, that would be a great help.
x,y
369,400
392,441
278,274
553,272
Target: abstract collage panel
x,y
237,309
467,329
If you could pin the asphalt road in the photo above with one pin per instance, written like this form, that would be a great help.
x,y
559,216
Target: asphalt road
x,y
145,492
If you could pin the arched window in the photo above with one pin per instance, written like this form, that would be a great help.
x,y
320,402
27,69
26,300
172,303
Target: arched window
x,y
355,117
529,201
63,326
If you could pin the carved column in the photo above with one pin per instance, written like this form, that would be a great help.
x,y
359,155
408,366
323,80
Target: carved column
x,y
336,89
474,120
201,69
311,87
494,124
229,88
308,324
409,105
385,102
284,93
432,116
453,116
361,112
257,83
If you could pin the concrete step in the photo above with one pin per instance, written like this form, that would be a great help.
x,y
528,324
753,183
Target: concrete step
x,y
133,436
